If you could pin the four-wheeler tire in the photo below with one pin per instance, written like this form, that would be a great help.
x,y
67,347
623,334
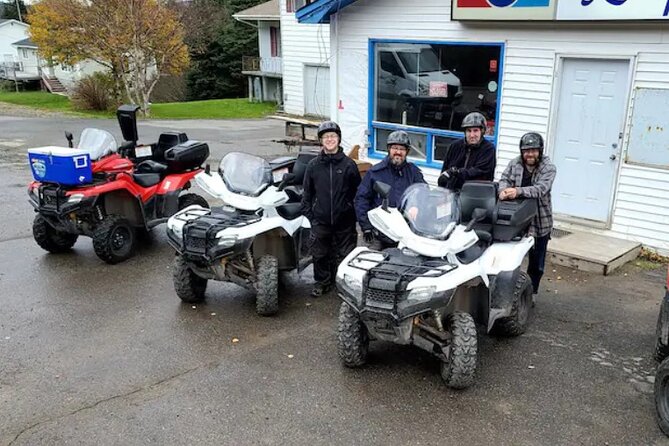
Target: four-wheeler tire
x,y
114,239
662,396
190,199
189,286
50,239
352,337
521,309
661,351
267,286
459,369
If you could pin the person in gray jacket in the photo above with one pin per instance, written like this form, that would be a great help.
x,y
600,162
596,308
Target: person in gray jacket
x,y
531,175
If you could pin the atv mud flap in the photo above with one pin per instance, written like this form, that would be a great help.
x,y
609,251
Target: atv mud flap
x,y
502,289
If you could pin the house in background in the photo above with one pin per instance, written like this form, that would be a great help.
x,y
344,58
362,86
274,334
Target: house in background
x,y
20,61
265,70
18,56
293,66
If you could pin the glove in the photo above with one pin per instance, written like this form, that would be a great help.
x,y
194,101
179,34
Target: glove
x,y
454,172
368,236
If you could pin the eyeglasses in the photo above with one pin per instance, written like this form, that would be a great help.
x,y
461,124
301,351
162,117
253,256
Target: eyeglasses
x,y
331,136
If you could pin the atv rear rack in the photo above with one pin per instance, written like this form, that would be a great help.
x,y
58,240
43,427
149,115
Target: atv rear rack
x,y
399,270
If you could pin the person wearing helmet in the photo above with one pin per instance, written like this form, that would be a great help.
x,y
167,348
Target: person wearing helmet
x,y
471,158
393,170
531,175
330,184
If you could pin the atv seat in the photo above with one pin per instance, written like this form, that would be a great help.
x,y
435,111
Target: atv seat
x,y
294,191
146,179
290,211
483,195
150,166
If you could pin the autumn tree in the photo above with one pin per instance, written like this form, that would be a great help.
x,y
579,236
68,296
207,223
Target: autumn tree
x,y
138,40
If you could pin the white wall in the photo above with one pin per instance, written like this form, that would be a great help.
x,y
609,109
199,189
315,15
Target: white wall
x,y
30,63
264,39
641,210
301,44
11,32
71,75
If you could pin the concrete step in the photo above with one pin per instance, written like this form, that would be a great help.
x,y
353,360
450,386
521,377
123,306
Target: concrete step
x,y
591,252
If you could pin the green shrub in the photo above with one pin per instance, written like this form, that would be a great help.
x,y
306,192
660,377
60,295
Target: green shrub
x,y
94,92
7,86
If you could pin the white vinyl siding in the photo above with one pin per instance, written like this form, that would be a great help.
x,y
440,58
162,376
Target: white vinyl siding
x,y
641,206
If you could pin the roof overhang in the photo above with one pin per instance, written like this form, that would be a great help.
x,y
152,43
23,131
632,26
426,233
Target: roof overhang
x,y
320,10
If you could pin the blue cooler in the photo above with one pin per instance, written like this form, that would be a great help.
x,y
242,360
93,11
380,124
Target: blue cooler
x,y
62,165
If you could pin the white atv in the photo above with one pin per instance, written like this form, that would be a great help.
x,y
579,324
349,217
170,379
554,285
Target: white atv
x,y
457,265
258,232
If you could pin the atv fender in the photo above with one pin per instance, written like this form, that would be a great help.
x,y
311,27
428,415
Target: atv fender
x,y
663,321
502,289
120,202
505,256
176,182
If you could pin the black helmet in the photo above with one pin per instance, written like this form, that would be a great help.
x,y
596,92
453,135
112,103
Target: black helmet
x,y
531,141
474,119
328,126
399,137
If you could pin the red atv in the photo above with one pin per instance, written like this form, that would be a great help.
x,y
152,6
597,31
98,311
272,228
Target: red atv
x,y
114,197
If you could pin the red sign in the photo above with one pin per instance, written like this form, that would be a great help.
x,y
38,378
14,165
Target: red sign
x,y
493,66
438,89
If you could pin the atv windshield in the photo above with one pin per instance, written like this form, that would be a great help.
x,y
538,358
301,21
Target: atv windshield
x,y
97,143
245,174
430,212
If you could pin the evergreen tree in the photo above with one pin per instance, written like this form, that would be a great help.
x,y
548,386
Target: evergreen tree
x,y
8,10
217,73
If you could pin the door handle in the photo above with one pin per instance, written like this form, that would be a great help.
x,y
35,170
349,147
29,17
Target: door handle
x,y
612,157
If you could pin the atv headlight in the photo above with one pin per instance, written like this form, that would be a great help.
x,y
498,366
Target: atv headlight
x,y
352,285
421,293
227,241
75,198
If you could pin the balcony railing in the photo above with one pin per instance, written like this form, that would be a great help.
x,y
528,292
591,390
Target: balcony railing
x,y
270,65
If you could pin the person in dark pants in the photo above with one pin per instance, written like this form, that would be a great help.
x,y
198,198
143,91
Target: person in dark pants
x,y
330,184
395,171
471,158
531,175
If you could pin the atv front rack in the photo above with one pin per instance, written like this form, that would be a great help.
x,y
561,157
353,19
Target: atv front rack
x,y
399,267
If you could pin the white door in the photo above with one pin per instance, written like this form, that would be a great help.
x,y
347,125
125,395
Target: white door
x,y
586,151
317,90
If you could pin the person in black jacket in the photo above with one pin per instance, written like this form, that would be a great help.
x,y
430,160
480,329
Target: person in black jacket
x,y
471,158
330,184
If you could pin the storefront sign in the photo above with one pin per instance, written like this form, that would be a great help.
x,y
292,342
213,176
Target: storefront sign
x,y
560,10
613,10
503,9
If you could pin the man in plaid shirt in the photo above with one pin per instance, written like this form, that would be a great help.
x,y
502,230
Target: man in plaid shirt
x,y
531,175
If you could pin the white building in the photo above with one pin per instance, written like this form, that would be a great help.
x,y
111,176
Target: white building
x,y
292,67
18,56
20,60
265,70
591,76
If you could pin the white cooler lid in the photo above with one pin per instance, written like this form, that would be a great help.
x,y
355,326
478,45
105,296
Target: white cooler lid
x,y
57,151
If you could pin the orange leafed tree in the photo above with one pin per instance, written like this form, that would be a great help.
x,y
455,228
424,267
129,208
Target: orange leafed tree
x,y
138,40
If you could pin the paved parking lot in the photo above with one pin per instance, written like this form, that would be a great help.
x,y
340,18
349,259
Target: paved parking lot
x,y
99,354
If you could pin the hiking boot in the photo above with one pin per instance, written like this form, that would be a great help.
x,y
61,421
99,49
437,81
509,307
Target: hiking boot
x,y
320,289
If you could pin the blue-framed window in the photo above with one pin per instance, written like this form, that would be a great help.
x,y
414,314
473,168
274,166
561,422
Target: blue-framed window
x,y
427,88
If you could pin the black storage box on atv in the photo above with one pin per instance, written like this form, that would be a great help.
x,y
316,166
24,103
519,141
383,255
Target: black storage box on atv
x,y
188,155
513,218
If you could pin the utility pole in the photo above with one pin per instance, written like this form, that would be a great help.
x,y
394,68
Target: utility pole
x,y
18,10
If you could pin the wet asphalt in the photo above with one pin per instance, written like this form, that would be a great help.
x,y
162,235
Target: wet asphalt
x,y
98,354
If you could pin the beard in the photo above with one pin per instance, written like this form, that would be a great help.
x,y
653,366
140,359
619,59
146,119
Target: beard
x,y
396,160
